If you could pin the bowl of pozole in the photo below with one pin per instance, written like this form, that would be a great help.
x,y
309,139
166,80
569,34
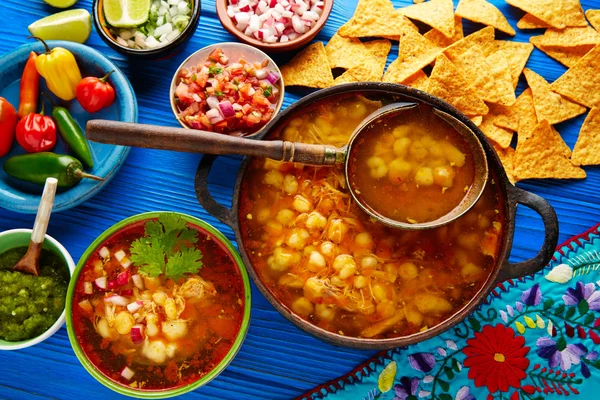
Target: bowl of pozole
x,y
347,278
159,305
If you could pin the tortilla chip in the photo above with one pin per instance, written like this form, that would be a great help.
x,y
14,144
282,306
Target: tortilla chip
x,y
515,53
530,22
548,105
484,13
542,156
375,18
587,148
506,157
436,37
477,119
346,77
414,53
483,37
568,37
345,52
520,117
447,83
593,17
308,68
492,82
566,56
379,49
420,81
500,136
556,13
581,82
439,14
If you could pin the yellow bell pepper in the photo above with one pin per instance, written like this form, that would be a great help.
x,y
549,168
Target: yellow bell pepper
x,y
59,67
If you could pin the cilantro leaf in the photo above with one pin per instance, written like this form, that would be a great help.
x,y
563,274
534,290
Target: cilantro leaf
x,y
149,255
268,91
214,70
165,248
184,262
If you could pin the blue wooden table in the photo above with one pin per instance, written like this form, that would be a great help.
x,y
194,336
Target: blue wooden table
x,y
277,361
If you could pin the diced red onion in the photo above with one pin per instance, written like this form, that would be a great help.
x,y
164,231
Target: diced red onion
x,y
136,305
237,107
123,277
127,373
272,77
261,73
226,109
138,281
101,282
116,300
88,288
212,102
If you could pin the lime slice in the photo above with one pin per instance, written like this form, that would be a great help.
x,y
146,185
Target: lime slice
x,y
61,3
126,13
71,25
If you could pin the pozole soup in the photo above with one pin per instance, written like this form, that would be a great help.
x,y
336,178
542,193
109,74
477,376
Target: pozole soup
x,y
158,305
411,167
326,260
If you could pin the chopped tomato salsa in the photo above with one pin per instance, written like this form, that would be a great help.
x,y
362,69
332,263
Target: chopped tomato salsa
x,y
224,97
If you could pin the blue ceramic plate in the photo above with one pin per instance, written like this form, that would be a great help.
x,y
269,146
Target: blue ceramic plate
x,y
22,197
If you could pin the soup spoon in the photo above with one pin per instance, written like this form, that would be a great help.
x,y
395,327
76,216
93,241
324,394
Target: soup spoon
x,y
197,141
29,263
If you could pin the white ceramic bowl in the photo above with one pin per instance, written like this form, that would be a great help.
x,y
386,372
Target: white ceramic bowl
x,y
18,238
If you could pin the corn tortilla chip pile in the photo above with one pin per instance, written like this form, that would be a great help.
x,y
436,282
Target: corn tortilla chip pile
x,y
478,73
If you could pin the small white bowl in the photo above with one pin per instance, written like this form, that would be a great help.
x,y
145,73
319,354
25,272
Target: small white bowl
x,y
21,237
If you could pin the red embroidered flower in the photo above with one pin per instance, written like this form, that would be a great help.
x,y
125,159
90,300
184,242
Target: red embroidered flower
x,y
496,358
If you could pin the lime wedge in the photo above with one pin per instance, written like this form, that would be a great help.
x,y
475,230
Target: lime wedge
x,y
71,25
126,13
61,3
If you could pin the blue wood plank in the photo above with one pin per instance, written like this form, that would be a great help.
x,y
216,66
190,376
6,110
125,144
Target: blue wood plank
x,y
277,361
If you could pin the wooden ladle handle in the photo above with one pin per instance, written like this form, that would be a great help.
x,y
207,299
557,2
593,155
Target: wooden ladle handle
x,y
197,141
44,210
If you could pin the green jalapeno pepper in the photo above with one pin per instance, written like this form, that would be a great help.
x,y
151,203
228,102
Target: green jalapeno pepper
x,y
72,133
36,167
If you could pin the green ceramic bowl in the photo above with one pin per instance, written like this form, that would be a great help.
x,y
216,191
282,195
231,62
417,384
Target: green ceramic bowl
x,y
19,238
157,394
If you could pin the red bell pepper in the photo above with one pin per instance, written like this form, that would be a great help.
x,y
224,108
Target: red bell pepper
x,y
36,132
30,87
94,94
8,121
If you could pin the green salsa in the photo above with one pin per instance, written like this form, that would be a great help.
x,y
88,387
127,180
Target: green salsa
x,y
29,305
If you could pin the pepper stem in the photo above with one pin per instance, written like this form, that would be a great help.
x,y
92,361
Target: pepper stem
x,y
105,77
48,50
79,173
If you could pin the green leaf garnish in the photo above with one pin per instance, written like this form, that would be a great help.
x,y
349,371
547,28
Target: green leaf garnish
x,y
214,70
218,93
268,91
165,248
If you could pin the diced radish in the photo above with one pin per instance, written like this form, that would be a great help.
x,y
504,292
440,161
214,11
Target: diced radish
x,y
137,333
284,38
242,18
237,107
254,23
101,282
119,255
136,305
86,306
116,300
298,24
127,373
126,292
123,277
271,39
112,284
104,253
138,281
88,288
126,262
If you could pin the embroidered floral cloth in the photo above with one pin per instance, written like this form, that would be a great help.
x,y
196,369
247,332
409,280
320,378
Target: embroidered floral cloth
x,y
533,338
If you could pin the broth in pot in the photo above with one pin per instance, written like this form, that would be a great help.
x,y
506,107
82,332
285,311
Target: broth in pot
x,y
327,261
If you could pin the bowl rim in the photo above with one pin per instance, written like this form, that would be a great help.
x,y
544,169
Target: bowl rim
x,y
187,32
227,23
158,394
61,319
173,85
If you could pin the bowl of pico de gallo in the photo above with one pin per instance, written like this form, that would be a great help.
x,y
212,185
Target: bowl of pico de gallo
x,y
229,88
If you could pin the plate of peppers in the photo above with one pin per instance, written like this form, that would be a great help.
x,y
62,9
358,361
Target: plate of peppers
x,y
48,92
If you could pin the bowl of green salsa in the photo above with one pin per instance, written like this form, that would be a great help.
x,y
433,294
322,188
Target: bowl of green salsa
x,y
32,308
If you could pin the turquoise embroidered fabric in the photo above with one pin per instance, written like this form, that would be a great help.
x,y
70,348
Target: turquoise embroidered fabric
x,y
533,338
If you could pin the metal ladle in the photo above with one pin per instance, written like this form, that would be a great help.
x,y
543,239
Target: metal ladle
x,y
197,141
